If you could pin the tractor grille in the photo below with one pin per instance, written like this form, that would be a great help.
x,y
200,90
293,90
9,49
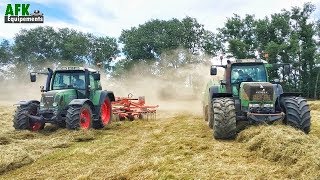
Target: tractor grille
x,y
48,101
257,92
265,110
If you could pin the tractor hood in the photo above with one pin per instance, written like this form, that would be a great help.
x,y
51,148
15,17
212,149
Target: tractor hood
x,y
256,91
57,98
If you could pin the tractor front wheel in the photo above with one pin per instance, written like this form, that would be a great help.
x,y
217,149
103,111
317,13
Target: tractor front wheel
x,y
79,117
23,122
297,113
224,118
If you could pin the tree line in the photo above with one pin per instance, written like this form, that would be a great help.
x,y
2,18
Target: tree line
x,y
290,36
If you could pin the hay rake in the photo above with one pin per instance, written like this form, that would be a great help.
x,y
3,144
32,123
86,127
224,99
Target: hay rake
x,y
132,108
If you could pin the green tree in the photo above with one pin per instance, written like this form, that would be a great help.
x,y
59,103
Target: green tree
x,y
306,31
212,43
239,34
6,59
287,37
73,46
44,44
36,44
150,40
103,50
6,55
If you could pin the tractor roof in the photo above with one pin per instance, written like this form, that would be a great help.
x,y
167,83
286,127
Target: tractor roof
x,y
74,68
244,62
249,61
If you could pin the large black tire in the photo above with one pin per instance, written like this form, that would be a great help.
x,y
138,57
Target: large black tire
x,y
60,122
22,122
74,119
297,113
224,118
100,123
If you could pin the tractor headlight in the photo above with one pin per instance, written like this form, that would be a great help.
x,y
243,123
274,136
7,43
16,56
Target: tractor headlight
x,y
254,105
267,105
54,104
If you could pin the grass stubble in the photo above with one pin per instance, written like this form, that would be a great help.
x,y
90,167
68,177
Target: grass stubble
x,y
175,146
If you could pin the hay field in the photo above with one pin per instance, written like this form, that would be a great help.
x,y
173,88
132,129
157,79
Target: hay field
x,y
178,145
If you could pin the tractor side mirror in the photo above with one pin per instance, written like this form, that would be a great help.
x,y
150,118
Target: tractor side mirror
x,y
96,76
276,81
223,82
33,77
213,71
286,69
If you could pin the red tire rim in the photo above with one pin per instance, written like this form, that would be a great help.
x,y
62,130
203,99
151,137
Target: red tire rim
x,y
85,118
105,112
36,126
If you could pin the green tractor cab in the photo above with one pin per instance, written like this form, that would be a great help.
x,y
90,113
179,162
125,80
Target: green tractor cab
x,y
72,98
245,96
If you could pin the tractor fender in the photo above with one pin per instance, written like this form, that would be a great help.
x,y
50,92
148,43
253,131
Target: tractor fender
x,y
25,103
286,94
214,93
105,94
111,96
277,89
81,102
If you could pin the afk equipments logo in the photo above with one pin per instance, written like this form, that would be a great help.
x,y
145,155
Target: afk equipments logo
x,y
19,13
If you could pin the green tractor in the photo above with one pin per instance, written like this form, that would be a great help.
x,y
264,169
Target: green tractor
x,y
245,96
72,98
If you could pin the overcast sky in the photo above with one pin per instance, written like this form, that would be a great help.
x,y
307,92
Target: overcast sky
x,y
109,17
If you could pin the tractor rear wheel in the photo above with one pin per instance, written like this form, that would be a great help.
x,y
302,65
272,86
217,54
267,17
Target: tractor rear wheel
x,y
297,113
105,114
79,117
23,122
224,118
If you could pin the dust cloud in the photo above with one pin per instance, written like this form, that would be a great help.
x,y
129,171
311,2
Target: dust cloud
x,y
12,91
175,90
178,89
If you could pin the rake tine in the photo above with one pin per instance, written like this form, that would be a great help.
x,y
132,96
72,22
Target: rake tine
x,y
134,105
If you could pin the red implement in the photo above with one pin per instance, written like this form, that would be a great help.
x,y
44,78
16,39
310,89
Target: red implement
x,y
131,108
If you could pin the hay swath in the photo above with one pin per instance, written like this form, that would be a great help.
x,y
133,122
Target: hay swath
x,y
132,108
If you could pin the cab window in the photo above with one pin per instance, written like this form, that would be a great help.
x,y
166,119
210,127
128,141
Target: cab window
x,y
67,80
93,84
243,73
